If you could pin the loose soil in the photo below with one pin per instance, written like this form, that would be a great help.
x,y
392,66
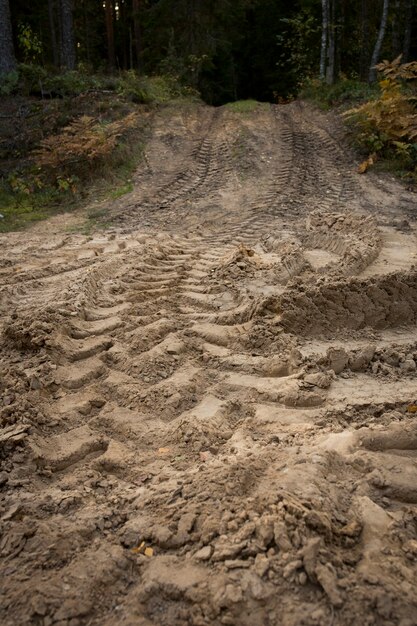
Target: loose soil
x,y
209,409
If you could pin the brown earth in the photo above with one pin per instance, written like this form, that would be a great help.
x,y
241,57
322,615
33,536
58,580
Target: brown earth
x,y
209,410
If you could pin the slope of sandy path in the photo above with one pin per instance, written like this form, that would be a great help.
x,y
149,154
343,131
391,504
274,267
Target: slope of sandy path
x,y
208,411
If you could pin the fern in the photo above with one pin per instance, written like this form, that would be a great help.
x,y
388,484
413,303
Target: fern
x,y
81,145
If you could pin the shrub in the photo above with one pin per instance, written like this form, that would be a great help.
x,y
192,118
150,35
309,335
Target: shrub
x,y
81,145
388,125
148,89
31,78
9,83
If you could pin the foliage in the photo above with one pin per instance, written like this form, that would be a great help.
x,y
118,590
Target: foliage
x,y
388,125
29,43
31,78
297,43
344,91
9,83
79,147
148,89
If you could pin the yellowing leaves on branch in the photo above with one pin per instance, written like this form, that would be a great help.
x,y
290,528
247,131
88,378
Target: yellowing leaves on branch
x,y
81,144
389,123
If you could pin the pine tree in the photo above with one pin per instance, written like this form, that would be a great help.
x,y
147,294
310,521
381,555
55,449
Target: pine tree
x,y
67,37
7,57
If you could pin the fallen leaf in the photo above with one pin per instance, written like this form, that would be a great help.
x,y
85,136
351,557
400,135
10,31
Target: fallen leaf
x,y
164,450
142,549
139,549
412,408
365,165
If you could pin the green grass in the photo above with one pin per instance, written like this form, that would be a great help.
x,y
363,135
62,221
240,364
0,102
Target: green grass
x,y
246,106
121,191
20,210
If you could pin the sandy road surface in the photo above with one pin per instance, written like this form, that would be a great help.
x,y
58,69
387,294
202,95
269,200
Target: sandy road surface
x,y
208,410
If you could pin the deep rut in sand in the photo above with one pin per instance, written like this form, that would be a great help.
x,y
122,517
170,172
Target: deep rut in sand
x,y
209,411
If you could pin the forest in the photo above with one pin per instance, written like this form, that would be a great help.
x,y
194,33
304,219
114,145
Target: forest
x,y
226,49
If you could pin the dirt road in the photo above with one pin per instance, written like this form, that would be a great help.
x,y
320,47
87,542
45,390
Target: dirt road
x,y
209,409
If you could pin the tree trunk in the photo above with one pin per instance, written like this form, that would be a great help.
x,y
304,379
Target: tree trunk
x,y
110,34
364,49
52,28
331,51
124,34
324,36
396,19
67,36
136,30
379,42
7,58
408,29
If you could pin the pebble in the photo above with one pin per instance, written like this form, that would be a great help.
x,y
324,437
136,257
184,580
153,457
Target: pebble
x,y
203,554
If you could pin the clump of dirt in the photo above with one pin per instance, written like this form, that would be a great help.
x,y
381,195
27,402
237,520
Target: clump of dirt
x,y
25,333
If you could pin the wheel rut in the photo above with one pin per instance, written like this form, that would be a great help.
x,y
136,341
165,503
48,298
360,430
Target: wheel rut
x,y
208,412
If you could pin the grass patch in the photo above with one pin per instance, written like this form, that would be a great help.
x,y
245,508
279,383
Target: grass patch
x,y
20,210
246,106
121,191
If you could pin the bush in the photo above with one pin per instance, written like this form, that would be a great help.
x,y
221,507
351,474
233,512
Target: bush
x,y
388,125
9,83
31,78
148,89
78,147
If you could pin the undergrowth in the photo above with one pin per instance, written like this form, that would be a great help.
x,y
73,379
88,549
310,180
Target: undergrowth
x,y
344,92
67,137
386,127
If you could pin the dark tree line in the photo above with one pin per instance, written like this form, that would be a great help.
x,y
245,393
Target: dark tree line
x,y
226,48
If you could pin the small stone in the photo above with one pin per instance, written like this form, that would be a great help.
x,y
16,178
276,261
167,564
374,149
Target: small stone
x,y
265,530
291,567
319,379
281,537
237,564
4,478
411,547
203,554
310,553
35,383
361,360
261,565
327,579
337,359
408,366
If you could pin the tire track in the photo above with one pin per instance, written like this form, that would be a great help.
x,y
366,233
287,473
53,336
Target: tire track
x,y
215,398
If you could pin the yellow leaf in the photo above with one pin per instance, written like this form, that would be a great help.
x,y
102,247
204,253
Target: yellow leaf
x,y
164,450
412,408
363,167
148,552
139,549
